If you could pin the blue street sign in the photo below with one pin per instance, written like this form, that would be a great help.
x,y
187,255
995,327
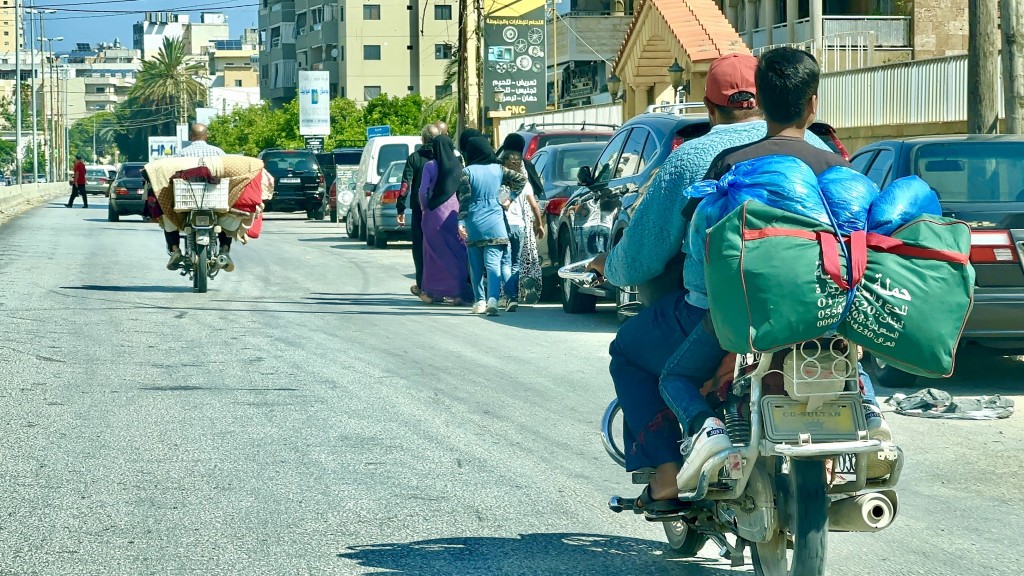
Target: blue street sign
x,y
374,131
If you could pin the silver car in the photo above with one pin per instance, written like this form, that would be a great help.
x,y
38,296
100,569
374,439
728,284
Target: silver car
x,y
382,208
97,180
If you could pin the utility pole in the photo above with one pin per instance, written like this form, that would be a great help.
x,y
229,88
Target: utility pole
x,y
463,100
18,110
982,59
554,44
1012,16
32,88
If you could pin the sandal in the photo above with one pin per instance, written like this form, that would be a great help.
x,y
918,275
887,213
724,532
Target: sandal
x,y
415,290
425,298
452,301
658,509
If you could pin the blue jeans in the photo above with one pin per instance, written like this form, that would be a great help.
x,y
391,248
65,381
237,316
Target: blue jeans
x,y
485,262
510,262
660,360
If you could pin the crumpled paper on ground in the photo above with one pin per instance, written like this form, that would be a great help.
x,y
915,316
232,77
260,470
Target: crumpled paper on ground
x,y
935,403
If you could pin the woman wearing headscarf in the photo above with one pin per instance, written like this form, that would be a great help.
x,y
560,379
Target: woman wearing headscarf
x,y
524,227
444,252
481,216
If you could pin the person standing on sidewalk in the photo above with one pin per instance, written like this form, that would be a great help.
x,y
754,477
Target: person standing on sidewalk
x,y
412,176
78,183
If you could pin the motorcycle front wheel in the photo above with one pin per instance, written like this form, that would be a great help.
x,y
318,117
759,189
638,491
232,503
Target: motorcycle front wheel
x,y
807,502
201,270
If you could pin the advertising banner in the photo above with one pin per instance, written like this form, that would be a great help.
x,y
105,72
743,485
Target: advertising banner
x,y
515,56
162,147
314,103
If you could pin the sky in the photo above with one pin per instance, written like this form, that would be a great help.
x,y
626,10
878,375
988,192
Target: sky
x,y
95,21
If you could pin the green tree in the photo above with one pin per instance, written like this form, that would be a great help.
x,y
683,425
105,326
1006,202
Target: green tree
x,y
102,126
170,81
8,156
26,164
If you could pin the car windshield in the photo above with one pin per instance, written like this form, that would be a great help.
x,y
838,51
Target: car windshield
x,y
96,173
394,175
553,139
279,163
132,170
347,158
391,153
972,171
570,162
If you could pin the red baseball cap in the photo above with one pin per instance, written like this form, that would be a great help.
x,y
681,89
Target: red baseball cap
x,y
728,75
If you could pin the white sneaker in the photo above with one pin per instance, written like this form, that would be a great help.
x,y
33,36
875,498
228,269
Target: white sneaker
x,y
492,307
511,305
711,439
480,307
878,429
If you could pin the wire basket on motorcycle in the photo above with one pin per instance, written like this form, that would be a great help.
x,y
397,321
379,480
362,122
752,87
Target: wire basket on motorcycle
x,y
200,195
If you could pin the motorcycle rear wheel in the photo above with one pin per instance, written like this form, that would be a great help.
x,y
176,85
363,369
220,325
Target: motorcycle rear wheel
x,y
202,269
683,539
808,523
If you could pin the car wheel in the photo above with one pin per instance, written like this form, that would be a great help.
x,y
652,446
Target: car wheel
x,y
884,374
363,225
318,214
351,226
371,231
380,240
112,215
573,301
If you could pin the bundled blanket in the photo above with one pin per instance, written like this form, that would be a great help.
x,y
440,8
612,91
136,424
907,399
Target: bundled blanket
x,y
239,169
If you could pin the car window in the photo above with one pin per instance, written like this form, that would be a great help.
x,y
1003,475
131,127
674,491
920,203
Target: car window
x,y
347,158
880,167
650,153
96,173
278,162
609,157
132,170
631,159
540,163
553,139
972,171
570,162
861,161
390,153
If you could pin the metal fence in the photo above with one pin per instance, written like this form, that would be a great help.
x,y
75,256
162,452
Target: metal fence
x,y
918,92
888,31
567,118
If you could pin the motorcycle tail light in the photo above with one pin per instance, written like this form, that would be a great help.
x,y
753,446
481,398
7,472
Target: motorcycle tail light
x,y
555,206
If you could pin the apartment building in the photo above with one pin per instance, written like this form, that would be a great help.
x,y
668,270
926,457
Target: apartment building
x,y
584,39
7,34
149,34
234,73
107,73
393,47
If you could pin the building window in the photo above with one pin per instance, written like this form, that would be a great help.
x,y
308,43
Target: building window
x,y
300,23
342,92
275,36
442,92
442,51
238,83
371,12
101,89
370,92
442,12
371,52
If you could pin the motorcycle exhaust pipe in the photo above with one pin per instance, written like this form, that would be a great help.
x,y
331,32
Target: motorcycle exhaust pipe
x,y
222,261
865,513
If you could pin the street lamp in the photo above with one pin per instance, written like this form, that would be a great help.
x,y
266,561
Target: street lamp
x,y
32,82
675,76
49,129
614,84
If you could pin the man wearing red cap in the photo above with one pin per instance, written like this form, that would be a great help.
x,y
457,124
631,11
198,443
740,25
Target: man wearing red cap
x,y
657,340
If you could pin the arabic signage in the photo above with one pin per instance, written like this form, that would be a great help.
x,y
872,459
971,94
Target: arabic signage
x,y
516,60
314,144
314,103
163,147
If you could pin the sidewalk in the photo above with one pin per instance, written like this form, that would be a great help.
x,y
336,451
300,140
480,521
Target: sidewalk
x,y
17,199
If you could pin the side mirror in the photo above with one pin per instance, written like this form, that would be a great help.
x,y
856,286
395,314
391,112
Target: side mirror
x,y
584,176
368,187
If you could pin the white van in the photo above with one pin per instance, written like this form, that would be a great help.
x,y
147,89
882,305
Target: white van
x,y
378,154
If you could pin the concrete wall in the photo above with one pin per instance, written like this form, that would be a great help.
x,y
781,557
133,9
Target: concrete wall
x,y
939,28
17,198
856,138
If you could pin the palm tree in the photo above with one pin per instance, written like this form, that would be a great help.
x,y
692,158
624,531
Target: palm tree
x,y
170,80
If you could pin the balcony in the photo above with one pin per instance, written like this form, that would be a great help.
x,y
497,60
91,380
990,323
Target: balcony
x,y
883,31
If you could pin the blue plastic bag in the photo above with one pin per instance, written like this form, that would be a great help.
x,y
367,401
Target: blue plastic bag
x,y
901,202
849,195
782,182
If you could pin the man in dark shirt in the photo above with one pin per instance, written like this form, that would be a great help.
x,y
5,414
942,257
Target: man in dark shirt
x,y
410,195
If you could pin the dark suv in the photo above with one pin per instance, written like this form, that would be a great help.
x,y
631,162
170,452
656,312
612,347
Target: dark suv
x,y
538,136
298,183
980,180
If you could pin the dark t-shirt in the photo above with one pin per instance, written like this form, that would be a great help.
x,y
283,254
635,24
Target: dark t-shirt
x,y
819,160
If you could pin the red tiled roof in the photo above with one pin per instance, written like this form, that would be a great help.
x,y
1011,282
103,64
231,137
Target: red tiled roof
x,y
698,25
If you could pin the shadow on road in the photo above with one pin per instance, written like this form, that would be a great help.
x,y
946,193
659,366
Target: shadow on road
x,y
979,372
530,555
323,239
150,289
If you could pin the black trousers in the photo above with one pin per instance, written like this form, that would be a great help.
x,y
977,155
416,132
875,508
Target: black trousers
x,y
174,239
416,226
78,190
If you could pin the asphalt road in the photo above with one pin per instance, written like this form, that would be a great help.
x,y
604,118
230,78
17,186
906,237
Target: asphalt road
x,y
309,416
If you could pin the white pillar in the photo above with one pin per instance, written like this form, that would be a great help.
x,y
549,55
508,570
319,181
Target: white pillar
x,y
768,20
816,24
732,12
750,17
792,15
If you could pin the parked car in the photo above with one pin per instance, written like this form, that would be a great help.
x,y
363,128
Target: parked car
x,y
339,163
126,194
97,180
980,180
629,159
539,136
631,299
557,165
382,207
378,154
298,183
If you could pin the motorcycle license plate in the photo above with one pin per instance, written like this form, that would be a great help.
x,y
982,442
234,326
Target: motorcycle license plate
x,y
786,419
291,180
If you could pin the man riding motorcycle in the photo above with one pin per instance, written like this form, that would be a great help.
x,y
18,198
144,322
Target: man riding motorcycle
x,y
661,358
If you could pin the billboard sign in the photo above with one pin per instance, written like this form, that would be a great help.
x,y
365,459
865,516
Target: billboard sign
x,y
314,103
162,147
376,131
516,59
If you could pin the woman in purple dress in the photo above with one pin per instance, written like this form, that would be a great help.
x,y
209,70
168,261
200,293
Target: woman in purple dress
x,y
445,275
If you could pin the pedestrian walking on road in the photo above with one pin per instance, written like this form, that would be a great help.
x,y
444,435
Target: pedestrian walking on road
x,y
444,253
524,225
481,216
78,183
410,192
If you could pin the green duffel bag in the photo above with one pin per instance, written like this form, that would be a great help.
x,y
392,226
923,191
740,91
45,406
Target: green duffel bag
x,y
918,289
767,281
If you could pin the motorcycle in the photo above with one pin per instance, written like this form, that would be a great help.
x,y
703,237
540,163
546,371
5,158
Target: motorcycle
x,y
797,470
203,205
